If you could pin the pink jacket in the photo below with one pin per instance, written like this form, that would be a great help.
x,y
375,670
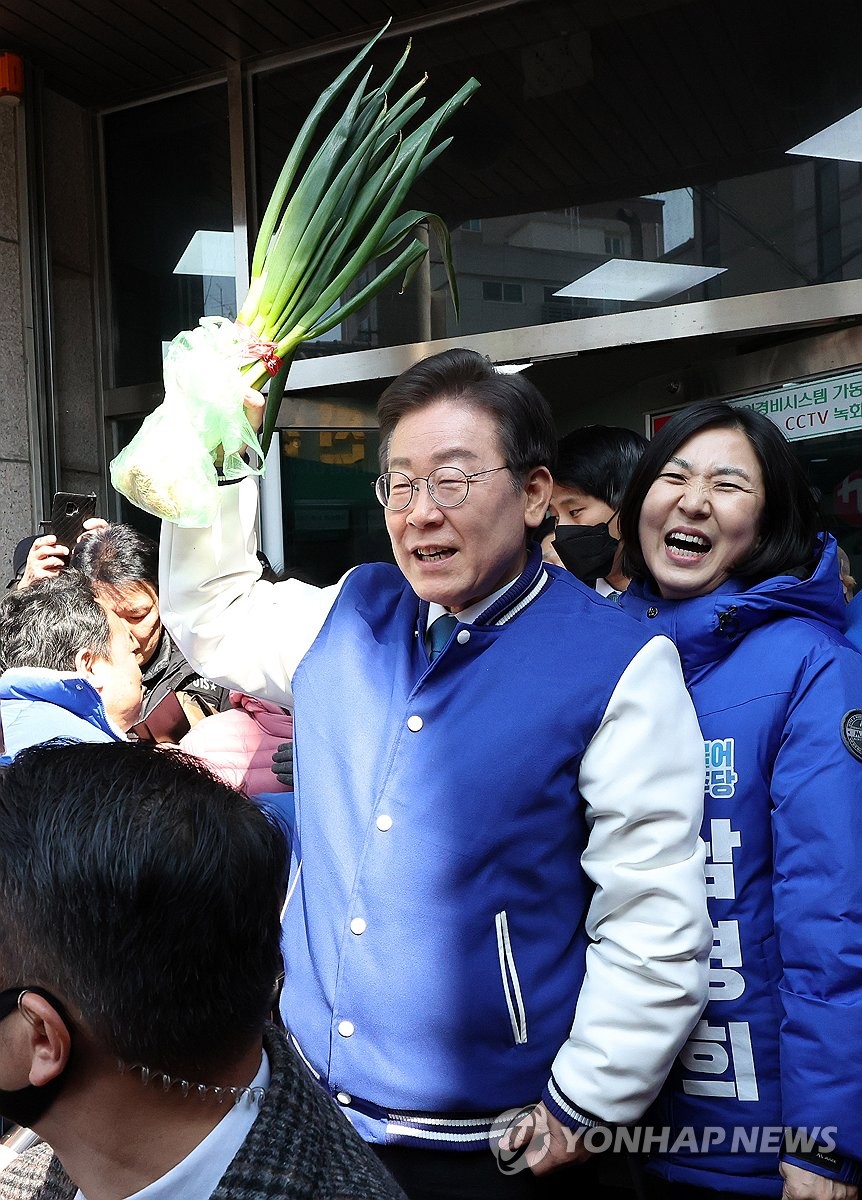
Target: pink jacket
x,y
238,744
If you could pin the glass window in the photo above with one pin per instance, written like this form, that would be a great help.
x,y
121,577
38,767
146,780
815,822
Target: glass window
x,y
170,225
632,158
332,520
499,292
834,466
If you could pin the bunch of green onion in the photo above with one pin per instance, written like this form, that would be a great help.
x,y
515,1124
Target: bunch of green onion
x,y
322,230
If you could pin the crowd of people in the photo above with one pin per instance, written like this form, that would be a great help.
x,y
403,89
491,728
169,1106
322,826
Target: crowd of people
x,y
564,902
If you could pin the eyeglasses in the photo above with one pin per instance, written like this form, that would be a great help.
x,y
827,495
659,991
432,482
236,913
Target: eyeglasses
x,y
447,486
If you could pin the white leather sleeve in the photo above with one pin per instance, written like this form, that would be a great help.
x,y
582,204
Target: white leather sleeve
x,y
642,780
233,627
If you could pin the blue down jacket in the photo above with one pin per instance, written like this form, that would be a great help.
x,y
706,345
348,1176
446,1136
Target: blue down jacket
x,y
778,692
37,704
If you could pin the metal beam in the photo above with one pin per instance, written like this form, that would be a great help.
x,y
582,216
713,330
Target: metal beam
x,y
757,314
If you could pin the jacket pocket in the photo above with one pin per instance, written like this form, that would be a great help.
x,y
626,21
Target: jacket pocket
x,y
509,977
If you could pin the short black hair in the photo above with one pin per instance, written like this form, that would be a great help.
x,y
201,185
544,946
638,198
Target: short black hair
x,y
145,894
46,624
599,460
788,543
118,556
520,412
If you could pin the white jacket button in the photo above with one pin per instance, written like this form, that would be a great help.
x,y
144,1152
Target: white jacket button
x,y
343,1098
358,925
384,822
463,636
414,723
346,1028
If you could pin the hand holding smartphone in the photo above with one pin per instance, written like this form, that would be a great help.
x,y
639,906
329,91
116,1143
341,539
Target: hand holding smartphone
x,y
69,511
49,553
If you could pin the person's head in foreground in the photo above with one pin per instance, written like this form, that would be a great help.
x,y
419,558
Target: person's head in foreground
x,y
58,625
718,494
465,454
593,467
123,566
139,940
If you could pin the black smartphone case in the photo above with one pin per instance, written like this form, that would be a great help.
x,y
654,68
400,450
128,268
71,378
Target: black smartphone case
x,y
69,511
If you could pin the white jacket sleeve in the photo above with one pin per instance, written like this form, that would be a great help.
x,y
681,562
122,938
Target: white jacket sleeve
x,y
642,779
232,626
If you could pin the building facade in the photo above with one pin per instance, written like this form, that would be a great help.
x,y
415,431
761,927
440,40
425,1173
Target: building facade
x,y
638,218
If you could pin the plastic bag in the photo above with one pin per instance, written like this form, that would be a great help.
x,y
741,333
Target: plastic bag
x,y
167,469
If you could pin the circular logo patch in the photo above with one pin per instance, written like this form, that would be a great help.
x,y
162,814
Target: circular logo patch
x,y
851,732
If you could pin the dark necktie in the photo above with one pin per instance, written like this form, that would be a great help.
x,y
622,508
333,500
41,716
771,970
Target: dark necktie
x,y
439,634
614,596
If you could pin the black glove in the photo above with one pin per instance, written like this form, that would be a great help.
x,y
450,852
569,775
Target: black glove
x,y
282,765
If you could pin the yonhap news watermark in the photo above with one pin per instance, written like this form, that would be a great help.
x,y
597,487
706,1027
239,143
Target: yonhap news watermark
x,y
531,1143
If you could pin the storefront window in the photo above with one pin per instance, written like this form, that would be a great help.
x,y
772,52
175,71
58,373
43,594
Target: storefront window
x,y
332,520
834,466
170,225
582,180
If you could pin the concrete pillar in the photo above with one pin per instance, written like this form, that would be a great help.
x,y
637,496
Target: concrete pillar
x,y
16,510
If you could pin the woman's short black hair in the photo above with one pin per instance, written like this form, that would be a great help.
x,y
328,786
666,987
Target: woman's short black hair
x,y
789,527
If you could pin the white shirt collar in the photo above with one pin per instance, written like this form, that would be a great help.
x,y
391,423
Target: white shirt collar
x,y
197,1176
604,588
470,613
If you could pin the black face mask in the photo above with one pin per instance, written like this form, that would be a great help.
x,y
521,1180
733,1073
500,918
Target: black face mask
x,y
586,550
27,1105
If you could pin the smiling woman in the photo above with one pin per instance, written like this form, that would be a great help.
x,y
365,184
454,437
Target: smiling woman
x,y
723,472
701,517
720,529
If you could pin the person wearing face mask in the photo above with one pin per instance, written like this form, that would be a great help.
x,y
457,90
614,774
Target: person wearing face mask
x,y
723,542
593,467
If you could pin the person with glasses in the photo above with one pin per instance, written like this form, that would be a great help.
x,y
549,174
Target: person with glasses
x,y
497,899
139,954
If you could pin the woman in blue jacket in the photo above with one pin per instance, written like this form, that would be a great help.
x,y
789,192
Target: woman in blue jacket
x,y
721,535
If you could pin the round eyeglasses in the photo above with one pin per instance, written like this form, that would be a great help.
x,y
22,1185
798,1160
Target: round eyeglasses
x,y
447,486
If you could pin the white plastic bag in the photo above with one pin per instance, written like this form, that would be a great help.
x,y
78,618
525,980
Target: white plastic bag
x,y
168,467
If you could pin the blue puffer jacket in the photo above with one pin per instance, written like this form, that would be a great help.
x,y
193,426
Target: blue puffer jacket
x,y
37,704
778,692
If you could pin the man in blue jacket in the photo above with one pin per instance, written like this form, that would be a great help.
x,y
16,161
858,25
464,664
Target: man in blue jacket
x,y
68,666
497,895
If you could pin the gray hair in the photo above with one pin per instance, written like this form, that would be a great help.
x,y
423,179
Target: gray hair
x,y
46,624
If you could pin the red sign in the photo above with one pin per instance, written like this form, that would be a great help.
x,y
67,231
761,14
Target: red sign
x,y
848,498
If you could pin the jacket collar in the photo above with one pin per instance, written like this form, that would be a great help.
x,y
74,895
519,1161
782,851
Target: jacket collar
x,y
706,628
513,600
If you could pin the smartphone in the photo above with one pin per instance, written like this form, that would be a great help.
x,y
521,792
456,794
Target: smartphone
x,y
165,722
69,511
